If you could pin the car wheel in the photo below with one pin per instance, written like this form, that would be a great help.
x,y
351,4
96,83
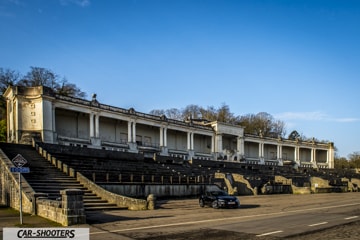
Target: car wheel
x,y
201,203
215,204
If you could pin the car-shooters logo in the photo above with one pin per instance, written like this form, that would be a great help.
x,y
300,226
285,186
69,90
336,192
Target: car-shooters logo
x,y
46,233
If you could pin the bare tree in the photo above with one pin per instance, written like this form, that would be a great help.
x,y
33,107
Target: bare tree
x,y
157,112
262,124
69,89
210,113
258,124
192,111
8,78
224,114
174,113
38,76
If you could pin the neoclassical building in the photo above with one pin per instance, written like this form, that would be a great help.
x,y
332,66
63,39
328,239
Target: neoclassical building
x,y
38,112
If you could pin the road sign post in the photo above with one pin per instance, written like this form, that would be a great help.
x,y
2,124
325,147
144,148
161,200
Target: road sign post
x,y
20,197
19,161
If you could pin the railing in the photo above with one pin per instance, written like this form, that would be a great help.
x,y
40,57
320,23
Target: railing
x,y
129,178
130,111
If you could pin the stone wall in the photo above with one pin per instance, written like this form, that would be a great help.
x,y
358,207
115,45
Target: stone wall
x,y
69,211
355,185
9,187
121,201
300,190
159,190
244,187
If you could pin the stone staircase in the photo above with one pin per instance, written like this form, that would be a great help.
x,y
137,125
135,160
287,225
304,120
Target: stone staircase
x,y
46,178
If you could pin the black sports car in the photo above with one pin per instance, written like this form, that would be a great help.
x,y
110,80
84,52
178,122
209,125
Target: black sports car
x,y
218,199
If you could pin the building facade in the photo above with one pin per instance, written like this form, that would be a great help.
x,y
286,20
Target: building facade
x,y
38,112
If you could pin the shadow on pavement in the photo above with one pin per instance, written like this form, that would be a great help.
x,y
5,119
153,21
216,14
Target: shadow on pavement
x,y
103,217
249,205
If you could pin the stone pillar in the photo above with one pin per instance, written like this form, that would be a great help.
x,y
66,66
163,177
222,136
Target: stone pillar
x,y
151,202
34,198
130,132
261,153
132,136
97,127
134,131
313,158
218,143
73,207
330,156
297,155
53,118
91,125
189,140
190,145
240,148
163,141
261,150
313,152
16,131
192,141
165,137
212,144
161,136
94,130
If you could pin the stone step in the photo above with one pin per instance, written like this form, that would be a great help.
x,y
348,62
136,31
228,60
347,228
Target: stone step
x,y
54,184
108,208
46,178
54,179
92,197
94,201
103,207
56,190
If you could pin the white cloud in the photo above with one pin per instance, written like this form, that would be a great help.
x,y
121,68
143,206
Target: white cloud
x,y
81,3
312,116
308,116
16,2
347,120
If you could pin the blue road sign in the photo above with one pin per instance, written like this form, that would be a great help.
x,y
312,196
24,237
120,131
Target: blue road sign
x,y
20,169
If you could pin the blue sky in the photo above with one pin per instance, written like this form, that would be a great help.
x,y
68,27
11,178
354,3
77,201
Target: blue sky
x,y
298,60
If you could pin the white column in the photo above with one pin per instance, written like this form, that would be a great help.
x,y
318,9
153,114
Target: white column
x,y
240,146
161,136
91,120
313,153
213,144
218,143
134,131
279,151
53,124
261,150
97,127
165,137
16,122
189,140
330,158
130,131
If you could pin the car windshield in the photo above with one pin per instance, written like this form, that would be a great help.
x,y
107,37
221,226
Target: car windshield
x,y
218,193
